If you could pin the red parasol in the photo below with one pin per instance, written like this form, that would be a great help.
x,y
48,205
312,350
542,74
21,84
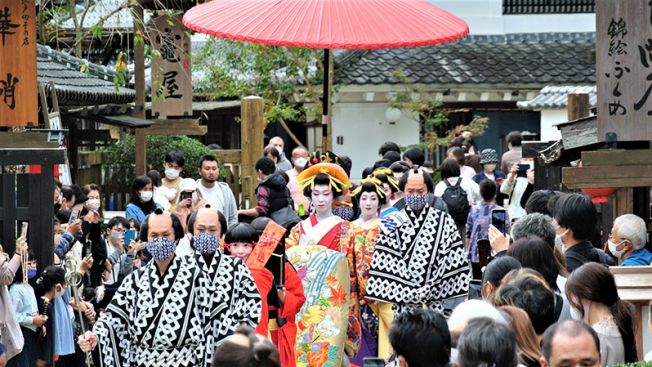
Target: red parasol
x,y
328,24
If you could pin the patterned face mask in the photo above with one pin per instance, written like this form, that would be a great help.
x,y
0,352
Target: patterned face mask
x,y
344,212
206,243
161,248
416,202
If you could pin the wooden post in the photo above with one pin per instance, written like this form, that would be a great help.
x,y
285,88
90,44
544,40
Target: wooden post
x,y
578,106
252,125
331,68
139,61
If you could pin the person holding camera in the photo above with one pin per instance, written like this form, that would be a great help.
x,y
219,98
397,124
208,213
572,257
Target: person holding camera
x,y
518,186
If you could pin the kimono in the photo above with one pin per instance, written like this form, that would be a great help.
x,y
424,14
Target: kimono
x,y
285,336
333,234
375,317
233,298
421,263
155,320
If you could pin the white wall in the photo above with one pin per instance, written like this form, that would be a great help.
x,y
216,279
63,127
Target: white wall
x,y
486,17
364,129
550,118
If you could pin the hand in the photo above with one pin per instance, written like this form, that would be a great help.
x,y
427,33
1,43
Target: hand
x,y
89,312
530,176
44,331
136,247
467,135
186,203
281,295
513,171
92,217
499,242
74,228
86,264
39,320
21,246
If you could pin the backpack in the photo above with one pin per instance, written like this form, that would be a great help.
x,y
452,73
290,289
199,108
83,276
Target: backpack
x,y
458,204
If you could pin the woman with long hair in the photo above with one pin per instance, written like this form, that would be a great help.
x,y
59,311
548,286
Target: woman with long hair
x,y
592,293
141,199
526,337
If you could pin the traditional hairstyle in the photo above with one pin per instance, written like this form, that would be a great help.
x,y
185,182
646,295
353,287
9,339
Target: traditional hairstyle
x,y
327,174
427,179
176,225
371,184
190,223
241,232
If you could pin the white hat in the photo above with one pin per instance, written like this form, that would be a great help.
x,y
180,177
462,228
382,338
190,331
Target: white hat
x,y
188,184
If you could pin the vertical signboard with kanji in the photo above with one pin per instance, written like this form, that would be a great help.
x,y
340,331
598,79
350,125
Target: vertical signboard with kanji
x,y
171,73
18,102
624,69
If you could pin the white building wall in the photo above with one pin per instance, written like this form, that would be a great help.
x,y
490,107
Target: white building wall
x,y
548,119
364,129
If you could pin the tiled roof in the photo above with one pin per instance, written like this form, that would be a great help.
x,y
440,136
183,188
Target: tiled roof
x,y
75,88
555,97
548,6
533,59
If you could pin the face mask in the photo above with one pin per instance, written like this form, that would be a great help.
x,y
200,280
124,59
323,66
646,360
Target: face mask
x,y
161,248
300,162
260,180
145,196
612,248
416,202
31,273
344,212
206,243
171,173
115,237
59,292
558,239
92,204
280,150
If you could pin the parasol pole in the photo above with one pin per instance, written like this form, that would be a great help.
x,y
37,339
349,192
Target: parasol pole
x,y
325,102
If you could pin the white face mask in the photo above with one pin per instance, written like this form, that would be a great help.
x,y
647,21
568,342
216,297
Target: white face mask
x,y
171,173
300,162
92,204
613,246
59,292
280,150
559,241
145,196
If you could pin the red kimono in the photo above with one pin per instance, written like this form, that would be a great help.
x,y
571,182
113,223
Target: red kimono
x,y
264,280
285,337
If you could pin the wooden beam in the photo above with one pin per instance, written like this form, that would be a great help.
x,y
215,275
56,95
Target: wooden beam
x,y
624,201
579,133
252,125
141,159
617,157
578,106
177,127
29,139
228,155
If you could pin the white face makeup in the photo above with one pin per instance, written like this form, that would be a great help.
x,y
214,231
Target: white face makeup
x,y
369,204
322,199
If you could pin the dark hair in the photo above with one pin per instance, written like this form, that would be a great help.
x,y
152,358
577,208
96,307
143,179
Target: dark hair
x,y
458,153
533,252
260,223
86,189
190,223
384,180
207,158
421,336
399,167
538,202
428,164
485,342
241,232
175,156
51,276
139,183
389,146
259,353
572,328
80,197
415,155
498,268
488,189
514,138
526,337
528,290
392,156
346,164
118,220
67,193
427,179
155,176
577,212
270,150
265,165
176,225
366,172
322,179
449,168
371,187
552,202
594,282
383,163
18,277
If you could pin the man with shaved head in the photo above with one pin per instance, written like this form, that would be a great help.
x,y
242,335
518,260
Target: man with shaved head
x,y
234,297
570,343
419,259
299,159
283,163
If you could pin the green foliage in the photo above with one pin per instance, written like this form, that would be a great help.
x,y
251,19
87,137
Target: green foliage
x,y
122,155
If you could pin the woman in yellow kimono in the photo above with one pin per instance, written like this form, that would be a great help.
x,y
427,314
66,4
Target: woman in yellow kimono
x,y
328,323
375,317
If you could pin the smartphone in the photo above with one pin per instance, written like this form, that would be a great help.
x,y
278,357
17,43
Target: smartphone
x,y
130,235
484,252
522,170
499,220
75,212
373,362
23,230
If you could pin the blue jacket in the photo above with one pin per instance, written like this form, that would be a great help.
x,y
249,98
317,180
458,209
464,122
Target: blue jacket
x,y
481,176
641,257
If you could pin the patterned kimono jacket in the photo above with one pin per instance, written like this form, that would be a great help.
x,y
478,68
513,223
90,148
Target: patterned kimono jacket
x,y
234,298
420,263
155,320
335,234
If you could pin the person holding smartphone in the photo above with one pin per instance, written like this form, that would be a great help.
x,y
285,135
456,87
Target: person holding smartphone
x,y
121,250
518,187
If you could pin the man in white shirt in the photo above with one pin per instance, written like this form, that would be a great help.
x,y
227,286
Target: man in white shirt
x,y
217,194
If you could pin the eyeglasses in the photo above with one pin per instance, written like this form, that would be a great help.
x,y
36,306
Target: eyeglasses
x,y
240,244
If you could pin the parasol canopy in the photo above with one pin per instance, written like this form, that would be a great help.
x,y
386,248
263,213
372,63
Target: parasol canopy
x,y
328,24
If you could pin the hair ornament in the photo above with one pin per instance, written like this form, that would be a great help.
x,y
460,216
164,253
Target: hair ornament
x,y
376,182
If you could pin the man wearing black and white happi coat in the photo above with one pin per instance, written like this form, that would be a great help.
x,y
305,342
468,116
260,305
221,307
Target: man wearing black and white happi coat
x,y
420,258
